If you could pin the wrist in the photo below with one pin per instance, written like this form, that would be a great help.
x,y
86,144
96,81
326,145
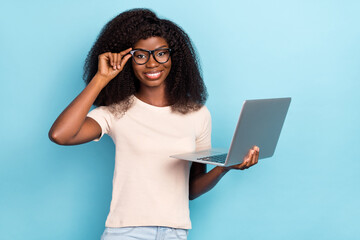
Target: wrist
x,y
224,170
99,81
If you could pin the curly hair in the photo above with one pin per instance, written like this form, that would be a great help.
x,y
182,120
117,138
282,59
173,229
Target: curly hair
x,y
184,86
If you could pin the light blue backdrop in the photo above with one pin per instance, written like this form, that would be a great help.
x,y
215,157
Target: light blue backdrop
x,y
308,50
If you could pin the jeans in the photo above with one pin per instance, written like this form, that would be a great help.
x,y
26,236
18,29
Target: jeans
x,y
144,233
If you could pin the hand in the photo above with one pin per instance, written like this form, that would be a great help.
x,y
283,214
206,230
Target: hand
x,y
111,64
250,159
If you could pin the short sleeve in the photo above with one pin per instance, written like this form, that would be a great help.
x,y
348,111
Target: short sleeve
x,y
203,137
103,117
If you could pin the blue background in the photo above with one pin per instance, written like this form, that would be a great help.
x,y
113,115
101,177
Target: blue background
x,y
308,50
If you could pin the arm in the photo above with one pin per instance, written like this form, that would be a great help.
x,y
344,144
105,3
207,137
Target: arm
x,y
72,126
200,182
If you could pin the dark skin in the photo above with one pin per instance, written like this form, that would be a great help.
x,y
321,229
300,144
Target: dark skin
x,y
73,127
201,182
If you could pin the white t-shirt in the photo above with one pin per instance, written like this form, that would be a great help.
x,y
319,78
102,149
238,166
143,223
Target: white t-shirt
x,y
149,187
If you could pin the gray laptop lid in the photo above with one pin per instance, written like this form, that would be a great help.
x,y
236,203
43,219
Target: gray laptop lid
x,y
260,124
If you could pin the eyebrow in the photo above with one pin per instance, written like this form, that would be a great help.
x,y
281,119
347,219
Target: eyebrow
x,y
162,46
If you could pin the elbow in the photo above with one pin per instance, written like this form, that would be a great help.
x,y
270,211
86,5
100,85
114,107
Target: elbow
x,y
192,195
54,137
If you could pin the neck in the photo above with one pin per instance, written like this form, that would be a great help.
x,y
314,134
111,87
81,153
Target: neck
x,y
153,96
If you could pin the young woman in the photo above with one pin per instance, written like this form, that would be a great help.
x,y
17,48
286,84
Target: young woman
x,y
152,107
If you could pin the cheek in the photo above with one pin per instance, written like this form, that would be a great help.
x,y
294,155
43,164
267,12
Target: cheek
x,y
168,66
136,70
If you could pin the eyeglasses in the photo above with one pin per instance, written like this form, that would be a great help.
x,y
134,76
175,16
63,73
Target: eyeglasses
x,y
142,56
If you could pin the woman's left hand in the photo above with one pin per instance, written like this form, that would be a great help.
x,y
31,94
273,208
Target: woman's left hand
x,y
249,160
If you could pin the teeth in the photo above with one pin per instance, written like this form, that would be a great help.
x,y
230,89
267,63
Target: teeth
x,y
153,74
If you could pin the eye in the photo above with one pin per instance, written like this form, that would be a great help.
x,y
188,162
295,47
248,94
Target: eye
x,y
140,54
160,54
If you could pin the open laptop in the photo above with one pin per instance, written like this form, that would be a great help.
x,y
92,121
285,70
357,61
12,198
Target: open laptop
x,y
260,124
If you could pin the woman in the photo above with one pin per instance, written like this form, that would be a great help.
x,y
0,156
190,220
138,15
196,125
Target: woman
x,y
152,108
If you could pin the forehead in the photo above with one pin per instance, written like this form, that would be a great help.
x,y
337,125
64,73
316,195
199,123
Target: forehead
x,y
151,43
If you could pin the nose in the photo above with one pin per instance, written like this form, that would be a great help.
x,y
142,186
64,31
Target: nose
x,y
152,62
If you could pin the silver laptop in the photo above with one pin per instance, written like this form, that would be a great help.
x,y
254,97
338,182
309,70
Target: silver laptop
x,y
260,124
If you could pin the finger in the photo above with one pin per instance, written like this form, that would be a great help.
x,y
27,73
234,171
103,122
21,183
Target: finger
x,y
117,60
124,60
120,58
251,153
249,159
242,166
247,155
105,56
114,60
115,55
257,155
253,158
102,59
245,166
125,52
111,59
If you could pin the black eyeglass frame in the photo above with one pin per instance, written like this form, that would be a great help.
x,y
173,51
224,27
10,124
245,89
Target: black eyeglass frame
x,y
151,52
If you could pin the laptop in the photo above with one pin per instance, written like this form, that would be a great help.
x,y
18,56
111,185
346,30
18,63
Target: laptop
x,y
260,124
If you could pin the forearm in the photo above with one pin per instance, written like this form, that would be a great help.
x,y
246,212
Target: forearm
x,y
206,182
70,120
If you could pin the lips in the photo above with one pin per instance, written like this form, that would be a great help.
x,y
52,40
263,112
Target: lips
x,y
153,75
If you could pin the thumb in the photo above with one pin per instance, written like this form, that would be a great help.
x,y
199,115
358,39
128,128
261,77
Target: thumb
x,y
124,60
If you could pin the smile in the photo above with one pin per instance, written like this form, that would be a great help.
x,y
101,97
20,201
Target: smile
x,y
153,75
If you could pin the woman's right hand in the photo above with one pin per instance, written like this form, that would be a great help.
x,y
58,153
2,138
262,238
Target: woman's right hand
x,y
111,64
73,126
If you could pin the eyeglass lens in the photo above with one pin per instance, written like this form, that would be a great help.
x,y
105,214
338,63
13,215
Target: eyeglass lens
x,y
161,56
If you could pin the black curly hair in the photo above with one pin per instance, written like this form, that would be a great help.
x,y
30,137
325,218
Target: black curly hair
x,y
185,89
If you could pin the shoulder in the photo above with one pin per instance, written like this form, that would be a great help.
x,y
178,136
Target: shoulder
x,y
103,113
202,112
201,118
101,110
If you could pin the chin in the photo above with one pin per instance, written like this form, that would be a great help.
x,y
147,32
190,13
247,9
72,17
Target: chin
x,y
154,84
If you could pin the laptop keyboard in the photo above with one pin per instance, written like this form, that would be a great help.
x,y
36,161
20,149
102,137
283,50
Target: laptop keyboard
x,y
215,158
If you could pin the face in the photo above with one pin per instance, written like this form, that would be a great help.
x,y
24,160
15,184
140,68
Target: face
x,y
152,74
